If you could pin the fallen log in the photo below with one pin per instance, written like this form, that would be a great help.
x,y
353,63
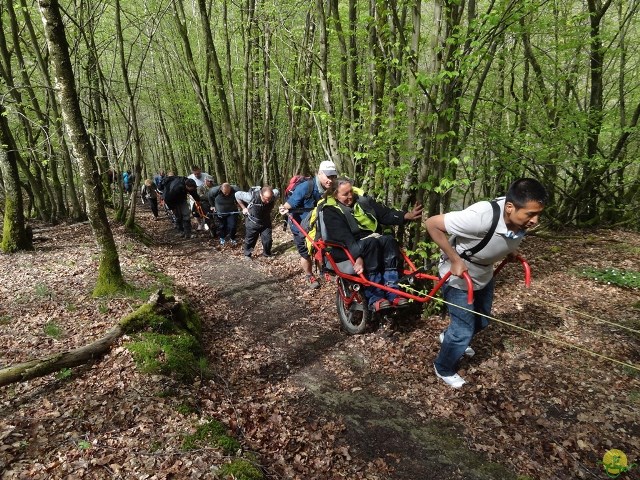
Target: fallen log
x,y
73,358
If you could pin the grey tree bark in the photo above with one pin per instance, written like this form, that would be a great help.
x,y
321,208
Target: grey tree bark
x,y
110,277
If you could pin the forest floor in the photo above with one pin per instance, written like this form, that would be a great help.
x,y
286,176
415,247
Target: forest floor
x,y
310,401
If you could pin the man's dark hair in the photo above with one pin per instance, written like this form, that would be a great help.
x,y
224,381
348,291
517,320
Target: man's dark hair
x,y
526,190
190,183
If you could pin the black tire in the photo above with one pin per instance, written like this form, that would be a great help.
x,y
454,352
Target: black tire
x,y
354,318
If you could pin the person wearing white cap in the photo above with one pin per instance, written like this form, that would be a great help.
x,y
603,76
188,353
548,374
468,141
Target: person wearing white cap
x,y
299,205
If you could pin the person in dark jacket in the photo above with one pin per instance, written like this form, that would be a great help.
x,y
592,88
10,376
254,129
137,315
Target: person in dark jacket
x,y
257,205
222,201
354,220
175,194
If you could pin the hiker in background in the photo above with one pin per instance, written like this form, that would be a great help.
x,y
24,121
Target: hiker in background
x,y
125,181
149,193
175,192
206,186
158,177
132,181
300,202
257,205
198,176
354,220
112,177
519,211
222,201
201,210
162,205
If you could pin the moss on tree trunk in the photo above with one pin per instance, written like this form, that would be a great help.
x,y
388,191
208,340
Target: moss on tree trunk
x,y
14,232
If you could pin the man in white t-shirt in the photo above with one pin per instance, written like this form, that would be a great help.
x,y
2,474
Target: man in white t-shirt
x,y
519,211
198,176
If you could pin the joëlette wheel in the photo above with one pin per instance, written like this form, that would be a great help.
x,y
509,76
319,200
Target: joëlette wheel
x,y
355,316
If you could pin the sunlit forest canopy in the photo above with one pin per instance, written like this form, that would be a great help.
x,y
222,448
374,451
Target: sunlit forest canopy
x,y
443,102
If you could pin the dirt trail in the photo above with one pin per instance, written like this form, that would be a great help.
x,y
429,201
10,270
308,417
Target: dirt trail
x,y
304,351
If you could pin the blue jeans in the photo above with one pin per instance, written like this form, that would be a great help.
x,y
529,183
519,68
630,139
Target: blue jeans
x,y
463,324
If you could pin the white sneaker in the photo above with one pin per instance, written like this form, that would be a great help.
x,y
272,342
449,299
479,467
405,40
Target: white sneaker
x,y
455,380
469,352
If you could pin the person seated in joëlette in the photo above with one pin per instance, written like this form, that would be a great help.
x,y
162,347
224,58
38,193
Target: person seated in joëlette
x,y
354,220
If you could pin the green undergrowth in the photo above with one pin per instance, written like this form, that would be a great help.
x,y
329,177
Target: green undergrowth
x,y
626,248
163,280
241,469
214,434
108,287
167,344
179,355
140,234
612,276
51,329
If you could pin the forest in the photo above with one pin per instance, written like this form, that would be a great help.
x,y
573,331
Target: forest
x,y
441,102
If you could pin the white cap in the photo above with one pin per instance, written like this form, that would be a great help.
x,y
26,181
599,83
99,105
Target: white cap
x,y
328,168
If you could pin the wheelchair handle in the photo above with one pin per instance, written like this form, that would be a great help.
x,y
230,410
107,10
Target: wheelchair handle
x,y
467,278
525,267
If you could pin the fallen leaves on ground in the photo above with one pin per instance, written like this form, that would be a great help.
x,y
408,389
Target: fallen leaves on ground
x,y
539,407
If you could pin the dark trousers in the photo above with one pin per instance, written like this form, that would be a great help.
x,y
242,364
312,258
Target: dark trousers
x,y
227,226
381,257
378,253
153,203
253,231
183,217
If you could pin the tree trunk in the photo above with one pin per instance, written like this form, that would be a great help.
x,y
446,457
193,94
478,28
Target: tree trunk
x,y
109,273
76,213
589,190
35,182
323,72
201,96
227,122
14,233
99,124
267,125
132,120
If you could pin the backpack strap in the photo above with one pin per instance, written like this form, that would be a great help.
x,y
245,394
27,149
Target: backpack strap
x,y
309,193
470,252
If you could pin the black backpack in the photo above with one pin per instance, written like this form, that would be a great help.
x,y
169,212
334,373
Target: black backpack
x,y
164,183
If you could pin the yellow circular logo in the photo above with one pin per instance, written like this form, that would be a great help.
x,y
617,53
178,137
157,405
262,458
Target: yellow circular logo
x,y
614,462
